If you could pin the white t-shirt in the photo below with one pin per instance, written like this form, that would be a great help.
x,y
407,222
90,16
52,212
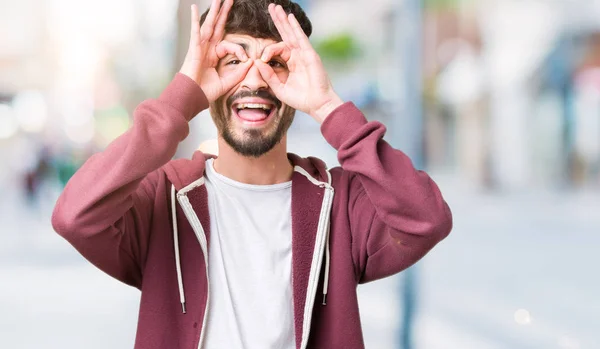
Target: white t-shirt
x,y
249,265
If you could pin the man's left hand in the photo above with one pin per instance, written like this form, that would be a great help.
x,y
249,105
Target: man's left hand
x,y
307,87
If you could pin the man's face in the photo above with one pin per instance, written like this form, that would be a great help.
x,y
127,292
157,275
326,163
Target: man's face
x,y
249,117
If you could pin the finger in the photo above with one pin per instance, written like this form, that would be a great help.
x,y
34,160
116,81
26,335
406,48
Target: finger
x,y
301,37
219,32
195,27
235,77
273,14
274,11
207,29
280,49
283,20
269,75
226,47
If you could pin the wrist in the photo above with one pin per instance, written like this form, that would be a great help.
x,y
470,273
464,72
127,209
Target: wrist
x,y
185,96
189,71
322,112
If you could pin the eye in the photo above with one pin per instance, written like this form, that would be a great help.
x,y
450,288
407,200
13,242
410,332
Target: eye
x,y
234,61
276,64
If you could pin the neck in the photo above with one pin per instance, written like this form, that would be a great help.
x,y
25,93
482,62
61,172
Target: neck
x,y
270,168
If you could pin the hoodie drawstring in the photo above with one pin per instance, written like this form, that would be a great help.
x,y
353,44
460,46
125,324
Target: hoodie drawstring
x,y
176,245
327,266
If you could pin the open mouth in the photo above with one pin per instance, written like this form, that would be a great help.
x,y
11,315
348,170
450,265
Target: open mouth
x,y
254,113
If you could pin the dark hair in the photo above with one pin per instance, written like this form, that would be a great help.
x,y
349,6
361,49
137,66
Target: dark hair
x,y
251,17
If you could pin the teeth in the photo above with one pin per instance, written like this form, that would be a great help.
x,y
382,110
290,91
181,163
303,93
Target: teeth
x,y
254,106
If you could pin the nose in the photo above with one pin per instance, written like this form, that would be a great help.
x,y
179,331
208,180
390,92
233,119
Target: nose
x,y
253,80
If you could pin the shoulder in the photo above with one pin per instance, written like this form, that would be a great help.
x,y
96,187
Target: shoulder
x,y
317,168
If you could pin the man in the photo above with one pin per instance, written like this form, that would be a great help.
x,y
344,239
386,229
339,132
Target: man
x,y
256,248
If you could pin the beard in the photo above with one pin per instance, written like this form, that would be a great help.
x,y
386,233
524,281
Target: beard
x,y
251,142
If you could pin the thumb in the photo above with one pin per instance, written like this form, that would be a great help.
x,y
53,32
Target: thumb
x,y
234,77
268,74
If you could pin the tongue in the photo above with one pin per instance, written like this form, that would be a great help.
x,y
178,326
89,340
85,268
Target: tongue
x,y
253,114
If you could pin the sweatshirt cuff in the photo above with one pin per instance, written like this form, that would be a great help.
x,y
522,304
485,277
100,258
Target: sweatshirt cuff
x,y
342,123
184,95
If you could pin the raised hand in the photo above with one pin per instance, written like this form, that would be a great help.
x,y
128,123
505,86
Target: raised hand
x,y
207,48
307,87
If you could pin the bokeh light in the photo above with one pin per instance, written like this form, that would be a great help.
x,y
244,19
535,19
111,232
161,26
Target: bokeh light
x,y
8,122
522,317
31,111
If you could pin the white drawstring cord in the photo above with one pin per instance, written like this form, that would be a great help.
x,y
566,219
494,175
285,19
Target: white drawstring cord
x,y
327,266
176,245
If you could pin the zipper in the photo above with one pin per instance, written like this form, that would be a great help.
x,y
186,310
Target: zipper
x,y
318,254
192,218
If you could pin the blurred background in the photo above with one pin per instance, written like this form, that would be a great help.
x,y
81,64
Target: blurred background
x,y
499,100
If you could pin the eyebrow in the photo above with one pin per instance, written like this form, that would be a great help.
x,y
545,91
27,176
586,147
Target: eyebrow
x,y
243,45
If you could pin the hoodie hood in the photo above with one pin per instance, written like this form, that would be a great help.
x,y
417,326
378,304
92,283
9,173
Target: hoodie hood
x,y
183,172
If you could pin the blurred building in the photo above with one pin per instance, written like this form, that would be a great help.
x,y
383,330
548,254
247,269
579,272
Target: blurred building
x,y
500,109
70,77
508,86
568,94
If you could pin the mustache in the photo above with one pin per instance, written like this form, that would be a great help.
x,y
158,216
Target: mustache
x,y
264,94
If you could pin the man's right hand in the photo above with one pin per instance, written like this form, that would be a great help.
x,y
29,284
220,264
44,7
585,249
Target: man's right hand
x,y
207,48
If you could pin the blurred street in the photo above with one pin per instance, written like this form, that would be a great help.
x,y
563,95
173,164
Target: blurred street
x,y
499,100
535,253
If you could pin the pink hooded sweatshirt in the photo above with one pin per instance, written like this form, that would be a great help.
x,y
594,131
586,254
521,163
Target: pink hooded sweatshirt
x,y
144,220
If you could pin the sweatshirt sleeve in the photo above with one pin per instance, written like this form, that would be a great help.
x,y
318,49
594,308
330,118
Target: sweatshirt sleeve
x,y
106,208
397,213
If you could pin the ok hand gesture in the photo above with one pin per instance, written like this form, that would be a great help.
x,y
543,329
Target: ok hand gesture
x,y
307,87
207,48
